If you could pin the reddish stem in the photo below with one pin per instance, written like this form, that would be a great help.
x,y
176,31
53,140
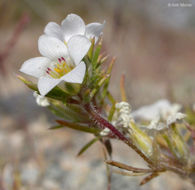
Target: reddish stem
x,y
105,124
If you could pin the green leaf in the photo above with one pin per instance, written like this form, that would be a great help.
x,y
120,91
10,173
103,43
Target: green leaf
x,y
86,146
108,146
83,128
58,94
69,112
112,110
72,88
55,93
78,111
58,111
90,52
28,83
96,54
56,127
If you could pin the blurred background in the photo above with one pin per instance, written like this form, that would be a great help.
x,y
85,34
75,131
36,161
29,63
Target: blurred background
x,y
154,42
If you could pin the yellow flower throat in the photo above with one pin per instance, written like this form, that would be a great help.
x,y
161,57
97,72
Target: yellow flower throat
x,y
61,68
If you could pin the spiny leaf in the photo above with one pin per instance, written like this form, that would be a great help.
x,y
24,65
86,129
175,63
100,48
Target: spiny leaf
x,y
86,146
83,128
112,110
99,84
28,83
96,54
90,52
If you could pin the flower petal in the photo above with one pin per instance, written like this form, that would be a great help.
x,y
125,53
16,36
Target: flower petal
x,y
78,47
94,30
52,47
46,84
35,66
76,75
54,30
72,25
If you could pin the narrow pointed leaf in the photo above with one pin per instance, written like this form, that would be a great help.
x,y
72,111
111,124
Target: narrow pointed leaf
x,y
56,127
129,168
86,146
90,52
83,128
128,173
96,54
108,146
28,83
56,93
149,178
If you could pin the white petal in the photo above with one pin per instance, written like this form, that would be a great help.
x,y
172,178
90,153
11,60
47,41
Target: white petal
x,y
76,75
52,47
35,66
78,47
94,30
46,84
150,112
175,118
72,25
54,30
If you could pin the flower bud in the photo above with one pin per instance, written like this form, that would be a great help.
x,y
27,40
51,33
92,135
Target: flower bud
x,y
141,139
178,145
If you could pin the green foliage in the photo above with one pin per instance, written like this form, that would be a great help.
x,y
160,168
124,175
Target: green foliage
x,y
83,128
86,146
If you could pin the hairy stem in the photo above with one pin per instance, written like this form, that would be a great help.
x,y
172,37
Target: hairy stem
x,y
105,124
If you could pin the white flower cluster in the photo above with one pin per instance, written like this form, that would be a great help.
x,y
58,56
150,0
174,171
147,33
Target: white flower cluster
x,y
122,117
62,48
160,111
123,114
162,108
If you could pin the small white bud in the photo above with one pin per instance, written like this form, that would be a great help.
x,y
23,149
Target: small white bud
x,y
41,100
105,132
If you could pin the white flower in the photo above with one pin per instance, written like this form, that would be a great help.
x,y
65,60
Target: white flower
x,y
121,118
73,25
41,100
162,108
123,114
60,62
170,110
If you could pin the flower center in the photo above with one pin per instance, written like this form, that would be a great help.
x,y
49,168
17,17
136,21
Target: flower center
x,y
60,69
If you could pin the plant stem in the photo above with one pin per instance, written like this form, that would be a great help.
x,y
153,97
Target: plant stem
x,y
105,124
